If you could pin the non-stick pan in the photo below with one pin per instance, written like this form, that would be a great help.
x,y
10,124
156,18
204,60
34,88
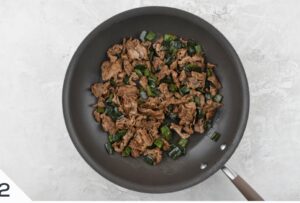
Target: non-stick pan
x,y
204,156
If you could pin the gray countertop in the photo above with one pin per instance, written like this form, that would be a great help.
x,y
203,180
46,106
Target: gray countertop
x,y
37,40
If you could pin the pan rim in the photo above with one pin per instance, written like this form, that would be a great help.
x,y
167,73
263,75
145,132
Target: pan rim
x,y
123,182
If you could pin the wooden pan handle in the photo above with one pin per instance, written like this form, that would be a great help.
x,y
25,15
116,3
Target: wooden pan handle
x,y
248,192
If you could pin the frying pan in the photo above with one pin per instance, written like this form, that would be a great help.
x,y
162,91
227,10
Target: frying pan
x,y
204,156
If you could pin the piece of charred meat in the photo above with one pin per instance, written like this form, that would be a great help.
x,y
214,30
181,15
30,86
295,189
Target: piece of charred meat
x,y
155,92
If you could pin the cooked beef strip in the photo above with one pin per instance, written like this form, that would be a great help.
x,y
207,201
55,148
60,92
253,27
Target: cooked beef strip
x,y
155,153
111,70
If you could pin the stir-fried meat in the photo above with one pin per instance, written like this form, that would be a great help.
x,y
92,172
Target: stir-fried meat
x,y
210,65
173,65
128,67
146,44
114,51
110,70
100,89
182,76
143,62
129,105
120,78
128,90
200,77
151,103
185,60
155,154
213,91
144,82
153,132
107,124
152,127
188,129
157,62
135,50
196,80
174,75
187,113
159,50
133,78
140,141
115,99
153,89
197,60
100,103
180,100
123,123
193,83
153,123
200,96
210,108
97,116
142,51
119,146
202,100
164,71
213,79
166,145
157,114
177,129
199,126
163,88
138,120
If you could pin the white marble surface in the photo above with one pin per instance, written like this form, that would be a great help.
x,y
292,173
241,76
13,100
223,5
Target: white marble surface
x,y
37,40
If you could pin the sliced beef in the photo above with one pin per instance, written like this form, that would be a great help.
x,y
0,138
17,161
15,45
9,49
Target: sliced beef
x,y
107,124
199,126
135,50
196,60
182,76
199,79
119,146
140,142
157,63
128,68
187,113
144,82
97,116
114,51
164,71
175,78
174,64
178,130
163,88
123,123
129,105
128,90
159,49
166,145
100,89
214,80
210,108
110,70
152,128
155,154
157,114
151,103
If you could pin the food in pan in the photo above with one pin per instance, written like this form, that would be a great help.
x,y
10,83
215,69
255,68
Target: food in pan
x,y
156,92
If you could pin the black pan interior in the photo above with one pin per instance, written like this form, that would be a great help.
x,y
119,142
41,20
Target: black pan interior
x,y
170,175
